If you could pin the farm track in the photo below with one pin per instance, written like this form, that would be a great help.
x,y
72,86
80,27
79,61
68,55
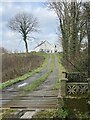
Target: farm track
x,y
9,93
43,97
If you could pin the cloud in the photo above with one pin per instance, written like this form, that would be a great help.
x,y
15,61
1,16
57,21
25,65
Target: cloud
x,y
51,37
10,35
4,1
8,1
0,27
1,8
47,20
12,41
23,1
44,15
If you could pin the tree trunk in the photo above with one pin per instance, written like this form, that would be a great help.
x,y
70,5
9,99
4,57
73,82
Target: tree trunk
x,y
89,51
88,34
73,31
87,6
26,45
64,42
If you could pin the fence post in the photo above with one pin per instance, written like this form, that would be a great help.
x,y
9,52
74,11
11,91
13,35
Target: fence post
x,y
88,84
88,102
63,87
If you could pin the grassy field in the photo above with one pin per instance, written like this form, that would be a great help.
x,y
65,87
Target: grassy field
x,y
15,65
57,84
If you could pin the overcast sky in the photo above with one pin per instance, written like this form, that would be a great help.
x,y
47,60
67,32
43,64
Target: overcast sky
x,y
47,24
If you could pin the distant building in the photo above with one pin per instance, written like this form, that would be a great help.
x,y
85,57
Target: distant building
x,y
46,47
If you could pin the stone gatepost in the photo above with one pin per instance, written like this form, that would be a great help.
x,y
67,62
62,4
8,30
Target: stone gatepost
x,y
63,87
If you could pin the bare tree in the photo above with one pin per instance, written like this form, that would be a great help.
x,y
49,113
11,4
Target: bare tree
x,y
68,14
24,23
87,10
59,8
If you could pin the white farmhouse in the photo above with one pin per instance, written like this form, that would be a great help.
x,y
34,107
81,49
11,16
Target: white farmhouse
x,y
46,47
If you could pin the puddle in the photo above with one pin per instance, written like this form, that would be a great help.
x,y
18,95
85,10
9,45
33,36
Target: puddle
x,y
22,85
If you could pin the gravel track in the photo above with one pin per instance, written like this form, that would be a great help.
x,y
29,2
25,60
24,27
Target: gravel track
x,y
43,97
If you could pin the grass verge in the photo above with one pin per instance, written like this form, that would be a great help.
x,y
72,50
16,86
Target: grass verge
x,y
44,114
25,76
8,114
56,86
51,113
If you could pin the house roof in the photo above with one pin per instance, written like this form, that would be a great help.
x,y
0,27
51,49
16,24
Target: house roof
x,y
42,43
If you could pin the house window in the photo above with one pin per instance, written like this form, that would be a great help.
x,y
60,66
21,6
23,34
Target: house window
x,y
55,51
41,50
47,51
